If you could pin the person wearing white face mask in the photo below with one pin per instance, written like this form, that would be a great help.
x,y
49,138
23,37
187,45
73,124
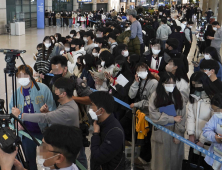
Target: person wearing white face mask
x,y
89,44
50,154
211,68
188,37
217,39
112,41
210,54
42,64
104,154
173,117
27,94
213,132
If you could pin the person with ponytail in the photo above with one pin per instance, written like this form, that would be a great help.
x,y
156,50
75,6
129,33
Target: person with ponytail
x,y
167,151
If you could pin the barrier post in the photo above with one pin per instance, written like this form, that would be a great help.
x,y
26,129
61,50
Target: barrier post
x,y
133,138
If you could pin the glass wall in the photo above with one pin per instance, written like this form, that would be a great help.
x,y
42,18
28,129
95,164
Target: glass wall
x,y
22,10
62,5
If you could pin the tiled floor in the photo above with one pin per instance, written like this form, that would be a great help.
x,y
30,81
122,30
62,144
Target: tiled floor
x,y
29,42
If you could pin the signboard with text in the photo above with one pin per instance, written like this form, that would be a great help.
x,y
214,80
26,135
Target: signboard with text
x,y
40,14
84,0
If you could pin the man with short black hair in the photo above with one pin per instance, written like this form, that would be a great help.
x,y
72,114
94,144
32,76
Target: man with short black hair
x,y
211,68
60,147
217,39
163,32
89,44
112,41
107,142
188,37
136,29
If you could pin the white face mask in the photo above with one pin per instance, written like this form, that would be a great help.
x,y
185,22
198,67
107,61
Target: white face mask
x,y
103,63
218,114
155,52
215,28
47,45
61,52
142,74
53,41
56,38
40,162
190,27
23,81
171,23
95,54
127,17
207,56
96,45
85,39
78,37
99,35
67,49
125,53
169,88
93,114
207,72
71,35
109,43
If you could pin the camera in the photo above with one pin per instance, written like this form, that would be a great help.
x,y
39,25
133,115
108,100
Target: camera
x,y
85,132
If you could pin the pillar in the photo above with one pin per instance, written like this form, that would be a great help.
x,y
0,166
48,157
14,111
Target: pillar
x,y
3,18
48,5
213,5
94,5
205,6
201,4
219,17
75,5
127,5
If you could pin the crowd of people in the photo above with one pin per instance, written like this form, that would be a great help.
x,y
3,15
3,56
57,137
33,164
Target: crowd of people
x,y
112,60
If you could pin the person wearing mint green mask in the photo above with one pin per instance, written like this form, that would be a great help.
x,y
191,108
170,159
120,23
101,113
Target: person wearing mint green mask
x,y
108,141
30,100
213,132
154,57
165,147
199,111
210,54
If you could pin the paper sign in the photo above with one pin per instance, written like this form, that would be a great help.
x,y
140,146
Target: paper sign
x,y
121,80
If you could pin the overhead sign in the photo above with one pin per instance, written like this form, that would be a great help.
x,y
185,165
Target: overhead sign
x,y
84,0
41,14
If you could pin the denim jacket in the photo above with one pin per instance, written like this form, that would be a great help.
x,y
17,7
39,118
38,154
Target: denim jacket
x,y
38,99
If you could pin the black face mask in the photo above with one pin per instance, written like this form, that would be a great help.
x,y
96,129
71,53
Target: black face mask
x,y
72,49
199,89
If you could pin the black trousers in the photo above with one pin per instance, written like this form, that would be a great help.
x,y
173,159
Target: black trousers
x,y
187,48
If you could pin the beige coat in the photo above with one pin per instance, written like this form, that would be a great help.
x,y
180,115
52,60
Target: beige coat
x,y
166,155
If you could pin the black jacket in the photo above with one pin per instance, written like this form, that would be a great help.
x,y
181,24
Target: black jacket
x,y
148,58
107,147
180,38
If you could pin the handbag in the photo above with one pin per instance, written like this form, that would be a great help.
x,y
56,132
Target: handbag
x,y
187,165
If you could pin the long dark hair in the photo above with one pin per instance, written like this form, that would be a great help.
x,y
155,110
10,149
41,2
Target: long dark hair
x,y
180,72
208,86
210,29
162,98
90,62
49,50
122,62
213,52
149,76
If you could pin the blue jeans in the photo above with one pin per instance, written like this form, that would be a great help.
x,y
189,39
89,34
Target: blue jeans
x,y
82,158
163,42
70,22
29,148
58,22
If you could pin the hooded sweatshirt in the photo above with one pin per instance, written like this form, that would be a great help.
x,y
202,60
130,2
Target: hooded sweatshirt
x,y
163,32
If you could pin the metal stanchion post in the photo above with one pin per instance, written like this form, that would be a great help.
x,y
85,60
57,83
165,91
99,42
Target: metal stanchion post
x,y
133,138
